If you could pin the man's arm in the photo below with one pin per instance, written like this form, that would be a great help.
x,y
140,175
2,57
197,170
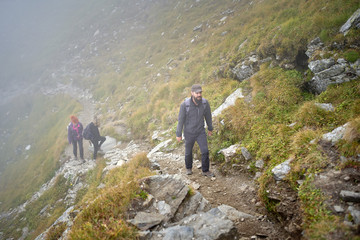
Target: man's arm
x,y
208,118
181,122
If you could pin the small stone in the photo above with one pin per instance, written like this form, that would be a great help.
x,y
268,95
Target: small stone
x,y
338,209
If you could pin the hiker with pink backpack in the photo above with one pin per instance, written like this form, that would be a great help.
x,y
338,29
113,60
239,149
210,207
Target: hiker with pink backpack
x,y
75,137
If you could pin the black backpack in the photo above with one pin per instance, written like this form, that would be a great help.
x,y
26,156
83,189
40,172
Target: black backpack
x,y
187,104
87,134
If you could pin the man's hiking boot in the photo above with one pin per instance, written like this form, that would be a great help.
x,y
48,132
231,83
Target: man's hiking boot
x,y
189,171
208,174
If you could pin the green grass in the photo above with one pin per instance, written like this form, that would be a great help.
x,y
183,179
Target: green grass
x,y
35,221
44,129
263,128
104,216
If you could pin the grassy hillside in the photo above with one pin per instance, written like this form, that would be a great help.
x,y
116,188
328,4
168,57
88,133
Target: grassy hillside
x,y
157,62
140,59
40,122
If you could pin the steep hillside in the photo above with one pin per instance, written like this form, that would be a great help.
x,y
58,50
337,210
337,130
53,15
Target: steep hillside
x,y
295,64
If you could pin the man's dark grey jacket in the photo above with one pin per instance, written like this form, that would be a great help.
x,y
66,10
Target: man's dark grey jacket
x,y
193,120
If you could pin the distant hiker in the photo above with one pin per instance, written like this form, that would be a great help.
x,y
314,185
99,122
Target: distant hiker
x,y
75,137
192,113
95,138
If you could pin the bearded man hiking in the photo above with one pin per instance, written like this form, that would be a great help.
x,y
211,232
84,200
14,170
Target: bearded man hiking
x,y
192,113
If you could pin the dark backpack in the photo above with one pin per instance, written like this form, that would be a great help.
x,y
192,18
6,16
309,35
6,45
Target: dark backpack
x,y
87,134
187,104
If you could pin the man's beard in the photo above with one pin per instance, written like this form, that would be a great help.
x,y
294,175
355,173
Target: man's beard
x,y
198,100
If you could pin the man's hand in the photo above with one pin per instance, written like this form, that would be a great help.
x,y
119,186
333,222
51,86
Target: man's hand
x,y
209,133
178,139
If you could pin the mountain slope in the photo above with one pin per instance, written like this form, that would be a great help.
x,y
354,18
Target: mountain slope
x,y
140,58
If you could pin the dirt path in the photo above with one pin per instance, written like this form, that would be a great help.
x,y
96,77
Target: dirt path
x,y
237,190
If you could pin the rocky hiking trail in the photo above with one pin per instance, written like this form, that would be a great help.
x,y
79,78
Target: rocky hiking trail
x,y
237,190
234,191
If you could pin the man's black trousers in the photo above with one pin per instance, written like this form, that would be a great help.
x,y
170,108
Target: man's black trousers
x,y
97,144
189,144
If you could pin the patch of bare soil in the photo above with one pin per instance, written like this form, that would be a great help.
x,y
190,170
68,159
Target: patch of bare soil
x,y
237,190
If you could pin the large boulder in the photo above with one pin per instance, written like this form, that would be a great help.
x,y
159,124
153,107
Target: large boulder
x,y
169,192
172,213
229,101
336,135
353,21
327,72
246,68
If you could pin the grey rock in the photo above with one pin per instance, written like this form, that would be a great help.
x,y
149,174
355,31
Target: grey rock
x,y
229,152
233,214
193,219
350,196
159,146
259,163
280,171
229,101
326,106
257,175
64,218
334,70
355,213
145,221
338,209
335,135
313,46
243,71
156,136
321,65
210,225
178,233
109,144
170,189
198,28
353,21
246,154
327,73
356,67
195,204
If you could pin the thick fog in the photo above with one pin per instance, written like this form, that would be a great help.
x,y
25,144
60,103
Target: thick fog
x,y
31,34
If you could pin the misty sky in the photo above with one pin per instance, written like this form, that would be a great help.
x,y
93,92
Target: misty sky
x,y
31,30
